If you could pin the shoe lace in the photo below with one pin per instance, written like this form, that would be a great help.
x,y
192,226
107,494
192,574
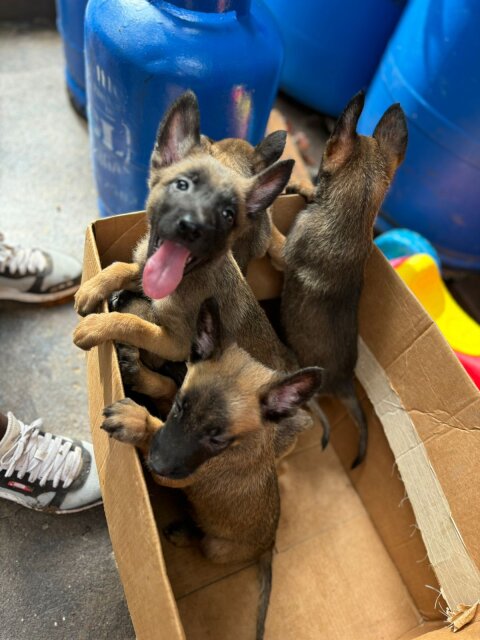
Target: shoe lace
x,y
21,259
43,456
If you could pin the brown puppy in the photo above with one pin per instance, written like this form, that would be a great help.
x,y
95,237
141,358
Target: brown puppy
x,y
237,155
326,251
197,208
248,161
231,420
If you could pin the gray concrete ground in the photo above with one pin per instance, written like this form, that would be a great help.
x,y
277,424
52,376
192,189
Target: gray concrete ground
x,y
58,575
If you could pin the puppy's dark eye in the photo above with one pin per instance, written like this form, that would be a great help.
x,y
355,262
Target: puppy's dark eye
x,y
216,438
182,185
228,213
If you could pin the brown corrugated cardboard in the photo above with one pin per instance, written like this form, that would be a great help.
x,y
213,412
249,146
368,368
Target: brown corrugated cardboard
x,y
350,563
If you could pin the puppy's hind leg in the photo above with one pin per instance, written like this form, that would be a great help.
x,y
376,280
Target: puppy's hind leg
x,y
349,399
141,378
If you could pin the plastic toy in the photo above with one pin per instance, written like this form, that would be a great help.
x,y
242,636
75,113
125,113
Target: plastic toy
x,y
398,243
422,276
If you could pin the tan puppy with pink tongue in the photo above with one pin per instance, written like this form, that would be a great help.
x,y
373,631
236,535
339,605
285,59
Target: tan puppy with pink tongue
x,y
197,209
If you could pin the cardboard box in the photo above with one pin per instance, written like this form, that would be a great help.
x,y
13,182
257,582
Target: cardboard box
x,y
351,561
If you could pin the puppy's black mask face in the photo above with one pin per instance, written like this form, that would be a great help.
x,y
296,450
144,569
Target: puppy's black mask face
x,y
195,211
197,429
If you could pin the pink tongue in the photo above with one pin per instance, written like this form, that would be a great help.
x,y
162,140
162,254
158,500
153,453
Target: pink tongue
x,y
164,270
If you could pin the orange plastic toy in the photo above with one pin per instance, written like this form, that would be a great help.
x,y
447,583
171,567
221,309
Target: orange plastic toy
x,y
422,276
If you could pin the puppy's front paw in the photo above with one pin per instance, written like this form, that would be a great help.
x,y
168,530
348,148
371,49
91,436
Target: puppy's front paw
x,y
303,188
126,421
90,331
88,298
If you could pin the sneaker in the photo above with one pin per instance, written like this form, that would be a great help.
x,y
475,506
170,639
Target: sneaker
x,y
33,275
46,472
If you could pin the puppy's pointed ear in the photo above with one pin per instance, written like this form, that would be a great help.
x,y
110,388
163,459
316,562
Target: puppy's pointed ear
x,y
267,186
208,341
269,150
281,398
341,143
391,133
177,134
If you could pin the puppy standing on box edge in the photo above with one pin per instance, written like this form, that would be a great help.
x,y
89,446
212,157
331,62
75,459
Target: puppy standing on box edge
x,y
230,422
327,249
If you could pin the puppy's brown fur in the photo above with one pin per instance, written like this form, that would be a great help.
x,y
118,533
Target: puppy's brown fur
x,y
326,251
231,420
180,151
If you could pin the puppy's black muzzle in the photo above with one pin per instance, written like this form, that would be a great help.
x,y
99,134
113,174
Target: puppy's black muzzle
x,y
189,229
175,453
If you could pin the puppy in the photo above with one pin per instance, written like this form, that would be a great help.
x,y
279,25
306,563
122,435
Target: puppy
x,y
139,369
231,420
326,251
259,237
238,156
197,208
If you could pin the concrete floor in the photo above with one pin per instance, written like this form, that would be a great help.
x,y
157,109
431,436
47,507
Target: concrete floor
x,y
58,574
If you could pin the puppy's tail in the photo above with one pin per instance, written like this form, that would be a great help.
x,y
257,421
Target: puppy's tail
x,y
351,403
315,408
265,576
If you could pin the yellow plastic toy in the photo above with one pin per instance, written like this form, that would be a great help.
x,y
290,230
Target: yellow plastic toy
x,y
422,276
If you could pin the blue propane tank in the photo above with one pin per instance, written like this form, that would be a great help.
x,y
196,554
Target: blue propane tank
x,y
431,67
332,48
70,19
142,54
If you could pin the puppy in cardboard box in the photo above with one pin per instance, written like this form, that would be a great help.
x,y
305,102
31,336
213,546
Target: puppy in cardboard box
x,y
232,419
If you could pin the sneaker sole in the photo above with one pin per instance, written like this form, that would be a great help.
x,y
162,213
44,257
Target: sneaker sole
x,y
38,298
17,499
65,512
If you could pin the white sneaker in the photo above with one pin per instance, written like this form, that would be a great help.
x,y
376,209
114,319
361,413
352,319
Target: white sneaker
x,y
46,472
34,275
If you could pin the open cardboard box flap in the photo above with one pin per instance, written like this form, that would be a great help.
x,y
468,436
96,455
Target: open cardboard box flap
x,y
356,558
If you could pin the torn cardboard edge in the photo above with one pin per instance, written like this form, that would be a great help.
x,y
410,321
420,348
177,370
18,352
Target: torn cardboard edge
x,y
463,615
457,574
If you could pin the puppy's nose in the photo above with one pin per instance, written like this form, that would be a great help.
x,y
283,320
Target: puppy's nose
x,y
188,228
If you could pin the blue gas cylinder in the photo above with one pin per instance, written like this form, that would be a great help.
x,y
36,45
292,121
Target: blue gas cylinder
x,y
70,18
431,68
332,48
142,54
